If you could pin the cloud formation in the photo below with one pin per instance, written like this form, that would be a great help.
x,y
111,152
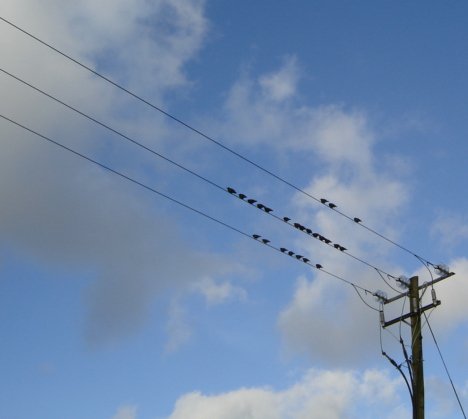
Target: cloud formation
x,y
320,394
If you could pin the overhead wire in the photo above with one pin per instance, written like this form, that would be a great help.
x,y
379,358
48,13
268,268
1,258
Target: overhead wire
x,y
211,139
163,195
182,167
445,366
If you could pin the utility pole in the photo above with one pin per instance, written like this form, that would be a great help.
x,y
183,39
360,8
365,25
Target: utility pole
x,y
415,364
416,349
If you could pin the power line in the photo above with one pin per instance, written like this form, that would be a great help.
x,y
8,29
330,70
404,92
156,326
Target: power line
x,y
231,191
322,201
445,366
163,195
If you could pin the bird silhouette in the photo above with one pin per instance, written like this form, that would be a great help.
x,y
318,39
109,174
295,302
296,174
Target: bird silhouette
x,y
286,219
283,249
318,266
299,257
357,220
267,210
260,206
332,205
290,253
305,260
328,241
265,241
256,236
230,190
251,201
316,235
242,196
323,200
309,231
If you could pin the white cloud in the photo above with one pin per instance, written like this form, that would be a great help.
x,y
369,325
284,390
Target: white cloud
x,y
450,229
218,292
281,85
178,329
126,412
64,214
320,394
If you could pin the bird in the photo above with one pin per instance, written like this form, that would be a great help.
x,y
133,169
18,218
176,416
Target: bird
x,y
318,266
256,236
316,235
305,260
336,246
299,257
321,238
323,200
242,196
309,231
260,206
290,253
328,241
265,241
267,210
230,190
357,220
343,248
251,201
332,205
286,219
283,249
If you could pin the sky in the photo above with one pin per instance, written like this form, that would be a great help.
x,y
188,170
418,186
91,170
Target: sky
x,y
123,301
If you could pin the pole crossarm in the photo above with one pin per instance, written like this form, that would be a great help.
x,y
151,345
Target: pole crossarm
x,y
408,315
426,284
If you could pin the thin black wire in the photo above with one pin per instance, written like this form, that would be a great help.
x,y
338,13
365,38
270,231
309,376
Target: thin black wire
x,y
151,189
398,367
154,152
207,137
362,299
445,366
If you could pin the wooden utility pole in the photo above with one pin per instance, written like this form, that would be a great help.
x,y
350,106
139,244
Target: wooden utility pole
x,y
416,349
416,310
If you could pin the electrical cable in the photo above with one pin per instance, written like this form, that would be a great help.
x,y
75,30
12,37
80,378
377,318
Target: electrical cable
x,y
445,366
211,139
151,189
180,166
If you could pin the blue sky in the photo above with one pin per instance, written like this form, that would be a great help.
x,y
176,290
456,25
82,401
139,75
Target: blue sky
x,y
116,303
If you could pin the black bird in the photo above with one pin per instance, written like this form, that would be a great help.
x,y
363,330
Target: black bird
x,y
265,241
332,205
283,249
296,225
336,246
321,238
323,200
256,236
318,266
343,248
357,220
267,210
286,219
251,201
309,231
328,241
260,206
299,257
242,196
305,260
290,253
230,190
316,235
